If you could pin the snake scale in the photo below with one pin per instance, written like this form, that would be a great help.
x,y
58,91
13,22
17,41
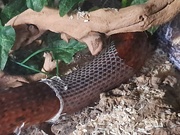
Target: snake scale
x,y
45,100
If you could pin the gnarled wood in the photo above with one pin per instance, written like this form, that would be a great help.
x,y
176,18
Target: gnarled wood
x,y
108,21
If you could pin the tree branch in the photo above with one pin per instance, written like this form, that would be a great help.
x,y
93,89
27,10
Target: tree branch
x,y
108,21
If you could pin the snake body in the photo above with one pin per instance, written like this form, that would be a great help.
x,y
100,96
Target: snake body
x,y
38,102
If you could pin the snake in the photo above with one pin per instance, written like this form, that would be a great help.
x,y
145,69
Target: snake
x,y
46,100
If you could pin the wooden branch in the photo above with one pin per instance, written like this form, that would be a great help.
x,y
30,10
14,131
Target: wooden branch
x,y
142,17
108,21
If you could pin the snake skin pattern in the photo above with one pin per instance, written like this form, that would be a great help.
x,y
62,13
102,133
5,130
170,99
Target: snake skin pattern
x,y
103,73
168,37
38,102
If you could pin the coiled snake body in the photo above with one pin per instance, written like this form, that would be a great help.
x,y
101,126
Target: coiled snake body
x,y
38,102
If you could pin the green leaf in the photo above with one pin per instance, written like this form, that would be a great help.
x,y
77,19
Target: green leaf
x,y
12,9
51,38
61,49
33,68
7,38
51,3
153,29
126,3
36,5
66,5
136,2
65,51
34,54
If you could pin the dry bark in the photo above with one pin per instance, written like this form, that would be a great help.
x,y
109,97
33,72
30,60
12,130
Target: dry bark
x,y
108,21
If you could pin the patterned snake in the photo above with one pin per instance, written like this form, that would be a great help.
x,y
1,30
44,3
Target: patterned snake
x,y
42,101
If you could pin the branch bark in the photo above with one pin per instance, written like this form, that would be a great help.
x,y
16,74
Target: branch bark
x,y
107,21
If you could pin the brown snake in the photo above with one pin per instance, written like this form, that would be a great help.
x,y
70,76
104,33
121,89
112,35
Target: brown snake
x,y
37,102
